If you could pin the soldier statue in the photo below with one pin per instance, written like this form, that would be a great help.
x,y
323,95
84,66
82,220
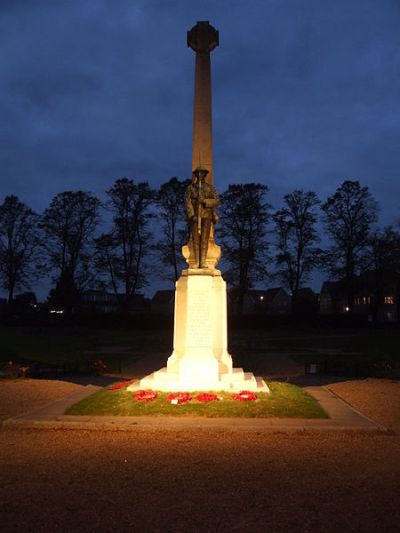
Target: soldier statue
x,y
201,200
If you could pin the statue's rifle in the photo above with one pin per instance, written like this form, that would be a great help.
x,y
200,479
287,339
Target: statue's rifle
x,y
199,208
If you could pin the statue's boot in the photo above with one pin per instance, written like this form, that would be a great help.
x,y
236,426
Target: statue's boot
x,y
195,250
203,257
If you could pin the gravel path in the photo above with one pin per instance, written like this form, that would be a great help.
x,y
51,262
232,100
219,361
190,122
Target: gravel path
x,y
53,481
378,399
23,395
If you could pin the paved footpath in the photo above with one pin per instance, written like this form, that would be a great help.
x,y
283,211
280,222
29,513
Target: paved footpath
x,y
342,418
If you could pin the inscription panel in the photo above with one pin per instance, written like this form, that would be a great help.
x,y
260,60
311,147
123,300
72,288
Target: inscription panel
x,y
199,319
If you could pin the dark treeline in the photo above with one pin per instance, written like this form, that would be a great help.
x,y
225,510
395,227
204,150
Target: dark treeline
x,y
71,242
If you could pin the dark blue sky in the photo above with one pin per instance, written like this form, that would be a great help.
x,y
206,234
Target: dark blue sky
x,y
305,95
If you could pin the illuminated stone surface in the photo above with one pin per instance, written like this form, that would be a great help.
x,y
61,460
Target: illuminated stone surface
x,y
200,360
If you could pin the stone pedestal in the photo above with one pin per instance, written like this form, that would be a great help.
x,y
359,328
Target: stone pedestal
x,y
213,255
200,360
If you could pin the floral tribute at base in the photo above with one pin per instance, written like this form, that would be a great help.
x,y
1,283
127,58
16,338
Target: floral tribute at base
x,y
118,386
178,398
145,395
245,396
206,397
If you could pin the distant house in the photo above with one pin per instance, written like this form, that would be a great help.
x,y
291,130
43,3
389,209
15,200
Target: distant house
x,y
163,302
106,302
307,302
100,301
332,298
372,298
274,301
3,304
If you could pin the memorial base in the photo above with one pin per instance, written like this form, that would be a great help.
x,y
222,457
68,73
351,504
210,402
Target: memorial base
x,y
200,360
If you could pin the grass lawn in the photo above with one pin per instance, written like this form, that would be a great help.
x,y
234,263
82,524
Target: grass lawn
x,y
67,345
285,400
362,351
369,342
56,345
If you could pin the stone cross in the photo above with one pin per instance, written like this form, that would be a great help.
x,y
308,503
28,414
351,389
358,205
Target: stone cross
x,y
202,39
200,360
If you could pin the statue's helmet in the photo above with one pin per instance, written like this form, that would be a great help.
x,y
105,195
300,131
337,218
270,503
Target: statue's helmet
x,y
201,169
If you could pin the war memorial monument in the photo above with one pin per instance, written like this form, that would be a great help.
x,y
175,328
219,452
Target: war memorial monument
x,y
200,359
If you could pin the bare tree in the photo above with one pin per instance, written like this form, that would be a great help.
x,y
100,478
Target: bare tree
x,y
243,229
121,254
171,207
383,249
68,226
383,259
348,216
297,236
18,245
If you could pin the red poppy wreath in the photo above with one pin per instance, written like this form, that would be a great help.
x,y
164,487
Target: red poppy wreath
x,y
179,397
206,397
245,396
145,395
118,386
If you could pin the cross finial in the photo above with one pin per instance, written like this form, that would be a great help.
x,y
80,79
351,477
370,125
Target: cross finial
x,y
203,37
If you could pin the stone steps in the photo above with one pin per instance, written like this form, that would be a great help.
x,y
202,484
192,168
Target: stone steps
x,y
235,381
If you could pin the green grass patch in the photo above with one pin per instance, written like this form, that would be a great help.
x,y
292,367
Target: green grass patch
x,y
285,400
60,346
352,352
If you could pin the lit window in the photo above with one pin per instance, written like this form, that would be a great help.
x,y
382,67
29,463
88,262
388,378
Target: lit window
x,y
389,300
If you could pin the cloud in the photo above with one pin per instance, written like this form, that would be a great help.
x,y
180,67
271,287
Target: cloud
x,y
304,93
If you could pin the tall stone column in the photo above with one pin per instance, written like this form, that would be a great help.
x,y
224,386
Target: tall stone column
x,y
202,39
